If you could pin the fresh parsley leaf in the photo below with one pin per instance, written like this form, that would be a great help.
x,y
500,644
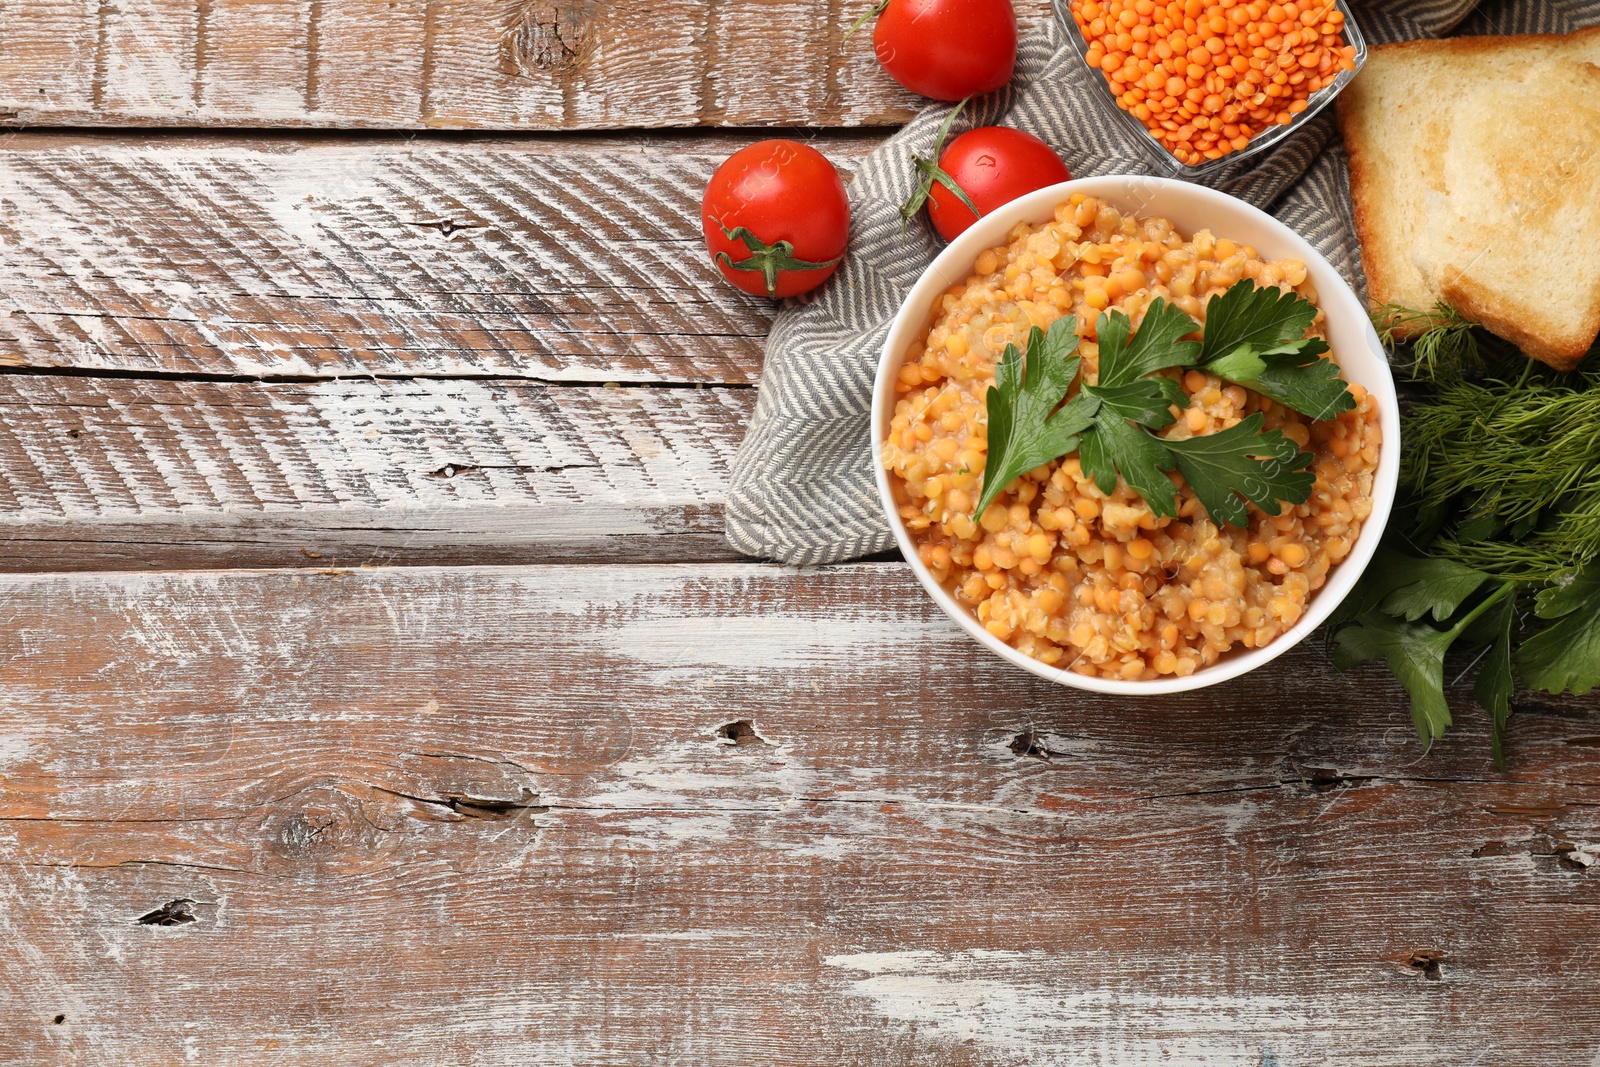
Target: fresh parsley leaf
x,y
1256,337
1109,422
1248,361
1113,446
1566,654
1314,389
1414,653
1148,401
1435,586
1496,679
1581,590
1241,463
1262,318
1300,377
1388,571
1026,429
1157,344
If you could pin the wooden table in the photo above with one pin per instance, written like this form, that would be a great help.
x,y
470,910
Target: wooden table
x,y
378,687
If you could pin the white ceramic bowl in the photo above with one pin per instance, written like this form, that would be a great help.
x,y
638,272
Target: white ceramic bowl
x,y
1190,207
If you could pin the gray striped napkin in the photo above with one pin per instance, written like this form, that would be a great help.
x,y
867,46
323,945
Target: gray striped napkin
x,y
802,483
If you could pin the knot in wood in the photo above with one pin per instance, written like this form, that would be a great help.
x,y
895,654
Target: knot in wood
x,y
546,37
318,823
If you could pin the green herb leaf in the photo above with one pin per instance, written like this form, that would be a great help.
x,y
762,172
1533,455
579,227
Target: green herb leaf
x,y
1113,446
1580,590
1109,422
1437,587
1496,679
1256,337
1565,656
1388,571
1414,653
1262,318
1295,375
1157,345
1250,361
1241,463
1028,424
1148,401
1443,344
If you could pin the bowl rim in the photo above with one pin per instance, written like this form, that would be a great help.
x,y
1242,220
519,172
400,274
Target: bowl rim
x,y
1133,192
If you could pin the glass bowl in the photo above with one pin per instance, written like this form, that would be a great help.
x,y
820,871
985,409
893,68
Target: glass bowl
x,y
1157,152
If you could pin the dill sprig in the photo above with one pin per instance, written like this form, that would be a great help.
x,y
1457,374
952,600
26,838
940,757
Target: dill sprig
x,y
1442,343
1514,469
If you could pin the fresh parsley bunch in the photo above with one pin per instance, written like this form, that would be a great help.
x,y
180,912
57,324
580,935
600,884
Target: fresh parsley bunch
x,y
1495,548
1252,336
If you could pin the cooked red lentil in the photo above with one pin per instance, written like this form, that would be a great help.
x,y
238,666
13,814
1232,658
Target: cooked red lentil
x,y
1074,577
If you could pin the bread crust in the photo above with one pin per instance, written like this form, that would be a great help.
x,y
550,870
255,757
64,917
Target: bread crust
x,y
1481,44
1361,175
1477,304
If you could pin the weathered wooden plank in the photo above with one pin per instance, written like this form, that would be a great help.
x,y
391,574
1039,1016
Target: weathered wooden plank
x,y
510,815
462,64
49,57
115,473
576,259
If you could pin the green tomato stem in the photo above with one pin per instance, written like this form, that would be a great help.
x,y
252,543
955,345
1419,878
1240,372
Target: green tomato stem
x,y
872,13
932,172
767,259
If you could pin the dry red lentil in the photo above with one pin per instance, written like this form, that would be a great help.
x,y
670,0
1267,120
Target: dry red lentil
x,y
1095,582
1205,76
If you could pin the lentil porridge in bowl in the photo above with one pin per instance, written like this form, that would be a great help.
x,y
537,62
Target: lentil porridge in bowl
x,y
1095,588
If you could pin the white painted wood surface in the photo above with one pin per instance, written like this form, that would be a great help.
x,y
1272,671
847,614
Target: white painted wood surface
x,y
572,259
118,473
446,64
488,816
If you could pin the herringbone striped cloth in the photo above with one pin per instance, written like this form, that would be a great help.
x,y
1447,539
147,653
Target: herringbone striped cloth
x,y
802,486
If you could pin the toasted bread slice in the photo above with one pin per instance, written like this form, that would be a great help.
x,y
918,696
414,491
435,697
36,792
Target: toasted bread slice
x,y
1512,238
1397,118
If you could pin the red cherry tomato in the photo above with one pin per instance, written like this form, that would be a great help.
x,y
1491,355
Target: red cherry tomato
x,y
993,165
947,49
775,218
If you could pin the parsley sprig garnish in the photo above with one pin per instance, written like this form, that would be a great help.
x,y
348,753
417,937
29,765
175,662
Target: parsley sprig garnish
x,y
1255,337
1028,424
